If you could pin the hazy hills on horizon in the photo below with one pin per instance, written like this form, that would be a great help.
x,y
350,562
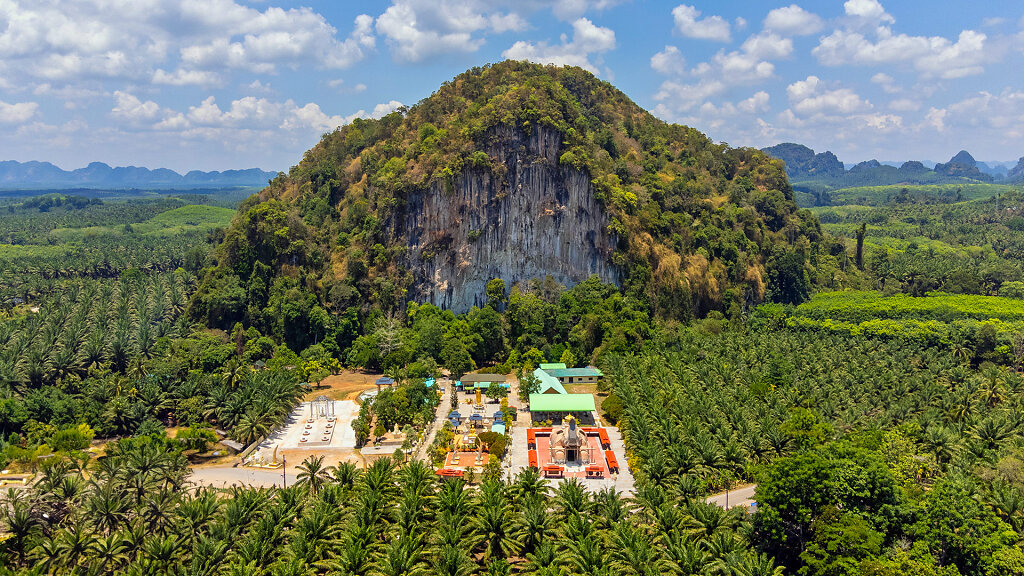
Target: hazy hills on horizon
x,y
805,165
45,175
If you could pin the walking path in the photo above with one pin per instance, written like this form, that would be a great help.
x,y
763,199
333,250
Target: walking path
x,y
440,415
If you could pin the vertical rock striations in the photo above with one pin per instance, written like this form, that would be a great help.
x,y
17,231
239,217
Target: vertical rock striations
x,y
533,218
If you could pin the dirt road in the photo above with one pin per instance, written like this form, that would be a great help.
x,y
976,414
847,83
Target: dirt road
x,y
742,496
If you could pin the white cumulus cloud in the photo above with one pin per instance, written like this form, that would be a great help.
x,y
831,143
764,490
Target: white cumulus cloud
x,y
793,20
181,77
768,46
669,62
129,107
809,97
587,39
710,28
870,10
857,44
17,113
174,42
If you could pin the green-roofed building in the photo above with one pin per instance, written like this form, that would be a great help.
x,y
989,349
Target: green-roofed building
x,y
587,375
555,407
548,383
562,403
552,365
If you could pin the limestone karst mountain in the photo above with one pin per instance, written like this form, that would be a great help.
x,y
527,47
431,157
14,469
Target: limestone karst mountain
x,y
519,172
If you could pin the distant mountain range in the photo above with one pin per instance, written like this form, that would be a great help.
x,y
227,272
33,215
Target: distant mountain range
x,y
44,175
803,165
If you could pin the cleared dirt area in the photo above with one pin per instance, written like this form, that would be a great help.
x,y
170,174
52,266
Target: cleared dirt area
x,y
344,386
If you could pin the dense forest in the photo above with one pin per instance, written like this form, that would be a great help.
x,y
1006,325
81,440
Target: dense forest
x,y
860,363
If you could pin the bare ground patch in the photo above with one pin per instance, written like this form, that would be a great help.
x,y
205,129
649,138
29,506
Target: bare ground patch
x,y
344,386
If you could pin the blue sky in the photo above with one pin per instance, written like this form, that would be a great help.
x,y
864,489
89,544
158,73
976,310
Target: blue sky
x,y
219,84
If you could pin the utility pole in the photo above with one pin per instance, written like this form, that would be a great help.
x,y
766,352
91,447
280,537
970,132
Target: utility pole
x,y
284,471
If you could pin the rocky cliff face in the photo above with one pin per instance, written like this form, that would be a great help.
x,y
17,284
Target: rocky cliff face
x,y
538,218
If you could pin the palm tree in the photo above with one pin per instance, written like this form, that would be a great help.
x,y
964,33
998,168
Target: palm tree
x,y
685,555
586,555
73,543
354,554
108,553
609,507
312,474
960,350
991,432
992,390
344,474
451,561
533,526
528,485
758,565
21,524
545,561
106,507
571,499
233,373
252,426
401,557
940,442
633,553
493,524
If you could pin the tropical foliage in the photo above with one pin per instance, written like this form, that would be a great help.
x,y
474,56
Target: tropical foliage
x,y
131,515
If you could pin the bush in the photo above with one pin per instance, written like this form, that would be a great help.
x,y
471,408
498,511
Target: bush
x,y
495,443
1012,289
196,438
612,408
151,427
72,438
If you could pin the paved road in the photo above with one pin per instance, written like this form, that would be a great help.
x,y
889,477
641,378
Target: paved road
x,y
742,496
